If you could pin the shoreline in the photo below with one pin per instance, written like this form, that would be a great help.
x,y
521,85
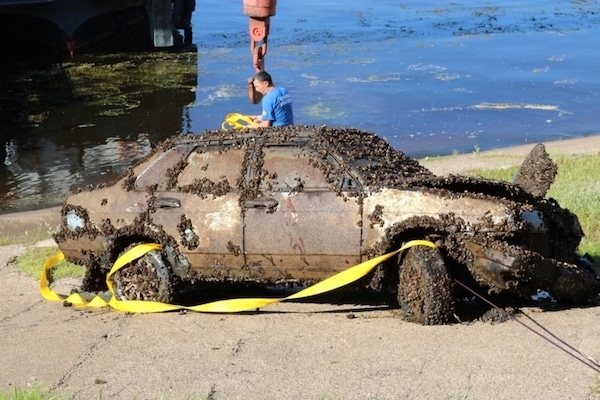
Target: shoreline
x,y
506,157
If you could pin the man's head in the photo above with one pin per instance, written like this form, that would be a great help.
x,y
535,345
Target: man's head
x,y
262,82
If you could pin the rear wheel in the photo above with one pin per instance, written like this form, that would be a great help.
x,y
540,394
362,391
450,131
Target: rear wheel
x,y
425,288
149,277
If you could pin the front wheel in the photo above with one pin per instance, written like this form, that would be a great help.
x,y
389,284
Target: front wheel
x,y
149,277
425,288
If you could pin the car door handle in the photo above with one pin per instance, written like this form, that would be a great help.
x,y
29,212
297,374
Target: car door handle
x,y
261,202
167,202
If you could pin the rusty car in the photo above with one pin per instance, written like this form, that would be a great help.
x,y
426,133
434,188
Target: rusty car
x,y
295,205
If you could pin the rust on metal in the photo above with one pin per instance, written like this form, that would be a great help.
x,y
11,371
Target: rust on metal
x,y
298,204
260,8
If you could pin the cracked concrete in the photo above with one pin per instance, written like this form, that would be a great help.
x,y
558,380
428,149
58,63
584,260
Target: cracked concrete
x,y
293,351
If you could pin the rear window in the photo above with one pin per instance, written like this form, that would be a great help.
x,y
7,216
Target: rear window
x,y
210,166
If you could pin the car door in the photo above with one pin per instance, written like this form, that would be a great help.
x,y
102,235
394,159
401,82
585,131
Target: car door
x,y
300,226
202,209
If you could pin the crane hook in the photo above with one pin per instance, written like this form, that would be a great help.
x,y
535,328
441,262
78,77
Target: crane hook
x,y
259,12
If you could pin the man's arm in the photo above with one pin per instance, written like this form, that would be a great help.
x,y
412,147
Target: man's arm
x,y
260,123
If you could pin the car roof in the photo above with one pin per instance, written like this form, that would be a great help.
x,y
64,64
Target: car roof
x,y
366,154
375,162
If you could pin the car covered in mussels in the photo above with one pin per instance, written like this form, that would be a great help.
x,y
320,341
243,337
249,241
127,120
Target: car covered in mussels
x,y
296,205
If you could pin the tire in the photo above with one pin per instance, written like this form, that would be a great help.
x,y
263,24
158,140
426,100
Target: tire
x,y
425,288
146,278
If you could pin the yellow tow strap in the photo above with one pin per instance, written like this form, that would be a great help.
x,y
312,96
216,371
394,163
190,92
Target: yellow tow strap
x,y
237,121
336,281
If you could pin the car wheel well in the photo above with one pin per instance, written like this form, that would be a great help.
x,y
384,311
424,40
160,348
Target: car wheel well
x,y
121,243
100,264
415,234
178,262
385,277
439,230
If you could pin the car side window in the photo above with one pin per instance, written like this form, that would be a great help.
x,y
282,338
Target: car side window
x,y
156,173
210,167
289,168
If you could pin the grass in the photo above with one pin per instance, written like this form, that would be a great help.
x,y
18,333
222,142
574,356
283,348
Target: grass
x,y
35,392
32,262
576,187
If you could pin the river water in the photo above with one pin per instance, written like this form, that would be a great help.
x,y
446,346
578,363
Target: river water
x,y
432,77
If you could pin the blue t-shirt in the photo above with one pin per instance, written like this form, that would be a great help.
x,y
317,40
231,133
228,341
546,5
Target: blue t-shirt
x,y
277,107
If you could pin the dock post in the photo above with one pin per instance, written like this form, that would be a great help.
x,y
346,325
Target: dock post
x,y
161,22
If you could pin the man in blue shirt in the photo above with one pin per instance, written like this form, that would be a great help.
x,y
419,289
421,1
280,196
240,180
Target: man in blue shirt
x,y
276,103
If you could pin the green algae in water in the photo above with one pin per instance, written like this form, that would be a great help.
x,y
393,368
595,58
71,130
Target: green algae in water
x,y
115,83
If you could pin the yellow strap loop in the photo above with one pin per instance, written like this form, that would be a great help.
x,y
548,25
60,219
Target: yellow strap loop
x,y
237,121
132,254
45,290
336,281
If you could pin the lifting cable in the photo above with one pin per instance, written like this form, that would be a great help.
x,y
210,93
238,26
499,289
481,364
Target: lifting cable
x,y
586,359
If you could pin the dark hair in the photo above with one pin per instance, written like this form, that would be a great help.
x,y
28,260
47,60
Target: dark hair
x,y
263,76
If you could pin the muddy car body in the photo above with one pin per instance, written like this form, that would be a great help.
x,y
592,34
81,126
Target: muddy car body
x,y
298,204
